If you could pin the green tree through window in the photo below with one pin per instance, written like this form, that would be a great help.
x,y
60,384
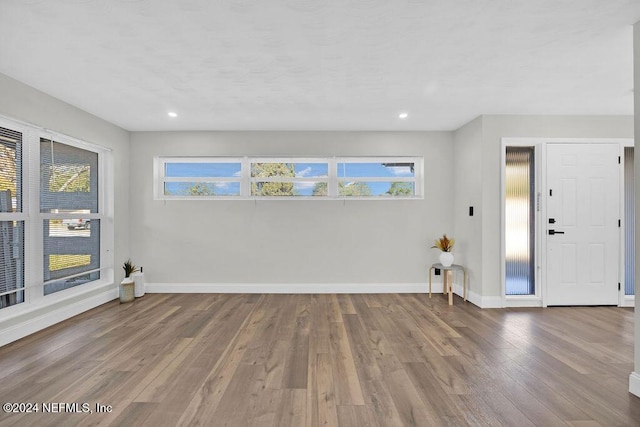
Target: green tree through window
x,y
201,189
268,170
70,178
400,189
353,189
8,174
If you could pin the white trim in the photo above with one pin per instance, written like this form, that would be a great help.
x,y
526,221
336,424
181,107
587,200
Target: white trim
x,y
634,383
523,302
13,216
628,142
288,288
71,215
537,150
540,158
30,326
628,301
316,288
74,141
35,300
44,301
34,248
103,155
375,179
488,302
481,301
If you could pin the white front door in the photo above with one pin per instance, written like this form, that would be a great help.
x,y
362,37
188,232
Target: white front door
x,y
582,224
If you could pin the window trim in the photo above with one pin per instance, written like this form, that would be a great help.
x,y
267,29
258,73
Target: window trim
x,y
159,180
332,180
99,215
33,219
288,179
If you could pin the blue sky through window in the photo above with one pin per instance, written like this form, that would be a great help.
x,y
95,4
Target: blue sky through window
x,y
211,170
308,170
358,170
311,170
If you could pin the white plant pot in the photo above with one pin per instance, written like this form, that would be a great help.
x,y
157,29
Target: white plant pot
x,y
446,259
127,288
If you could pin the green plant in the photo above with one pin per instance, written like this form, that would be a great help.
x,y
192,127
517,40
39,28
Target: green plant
x,y
129,268
444,243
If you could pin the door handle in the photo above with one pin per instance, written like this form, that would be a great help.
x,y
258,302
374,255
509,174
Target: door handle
x,y
552,232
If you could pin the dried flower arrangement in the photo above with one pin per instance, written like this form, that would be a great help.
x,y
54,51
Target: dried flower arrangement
x,y
444,243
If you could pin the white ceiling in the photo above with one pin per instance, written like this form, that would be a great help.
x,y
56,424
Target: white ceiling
x,y
322,64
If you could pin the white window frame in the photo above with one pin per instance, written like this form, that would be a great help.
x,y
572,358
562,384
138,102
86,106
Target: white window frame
x,y
418,172
34,219
294,180
159,180
99,216
159,167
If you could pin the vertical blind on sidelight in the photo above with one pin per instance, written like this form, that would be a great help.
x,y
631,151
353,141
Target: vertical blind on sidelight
x,y
519,221
630,229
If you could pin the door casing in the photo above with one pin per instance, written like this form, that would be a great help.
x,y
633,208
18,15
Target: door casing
x,y
540,144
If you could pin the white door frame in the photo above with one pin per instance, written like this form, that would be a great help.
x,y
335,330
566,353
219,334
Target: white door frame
x,y
540,144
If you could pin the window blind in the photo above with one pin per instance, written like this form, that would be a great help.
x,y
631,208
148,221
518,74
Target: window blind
x,y
11,229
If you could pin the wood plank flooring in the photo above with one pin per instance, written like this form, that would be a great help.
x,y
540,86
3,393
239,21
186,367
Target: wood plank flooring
x,y
325,360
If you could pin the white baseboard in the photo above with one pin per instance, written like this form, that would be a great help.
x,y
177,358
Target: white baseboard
x,y
634,383
23,328
523,302
472,297
628,301
288,288
315,288
483,301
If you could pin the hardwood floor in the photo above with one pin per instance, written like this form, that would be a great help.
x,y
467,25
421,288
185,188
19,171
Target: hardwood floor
x,y
348,360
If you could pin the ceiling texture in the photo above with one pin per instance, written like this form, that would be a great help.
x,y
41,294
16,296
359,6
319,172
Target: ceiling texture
x,y
322,64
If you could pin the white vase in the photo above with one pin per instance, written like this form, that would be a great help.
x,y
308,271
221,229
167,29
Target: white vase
x,y
138,278
446,259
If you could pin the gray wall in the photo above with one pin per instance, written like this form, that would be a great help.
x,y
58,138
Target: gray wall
x,y
467,191
289,242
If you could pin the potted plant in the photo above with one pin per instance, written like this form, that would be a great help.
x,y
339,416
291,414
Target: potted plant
x,y
445,244
127,286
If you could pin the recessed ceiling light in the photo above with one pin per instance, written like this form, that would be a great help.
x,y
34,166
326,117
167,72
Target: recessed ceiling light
x,y
172,114
403,115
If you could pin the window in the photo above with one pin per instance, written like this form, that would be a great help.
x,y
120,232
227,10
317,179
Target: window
x,y
288,178
70,212
283,178
54,199
630,226
519,218
386,178
193,177
11,220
